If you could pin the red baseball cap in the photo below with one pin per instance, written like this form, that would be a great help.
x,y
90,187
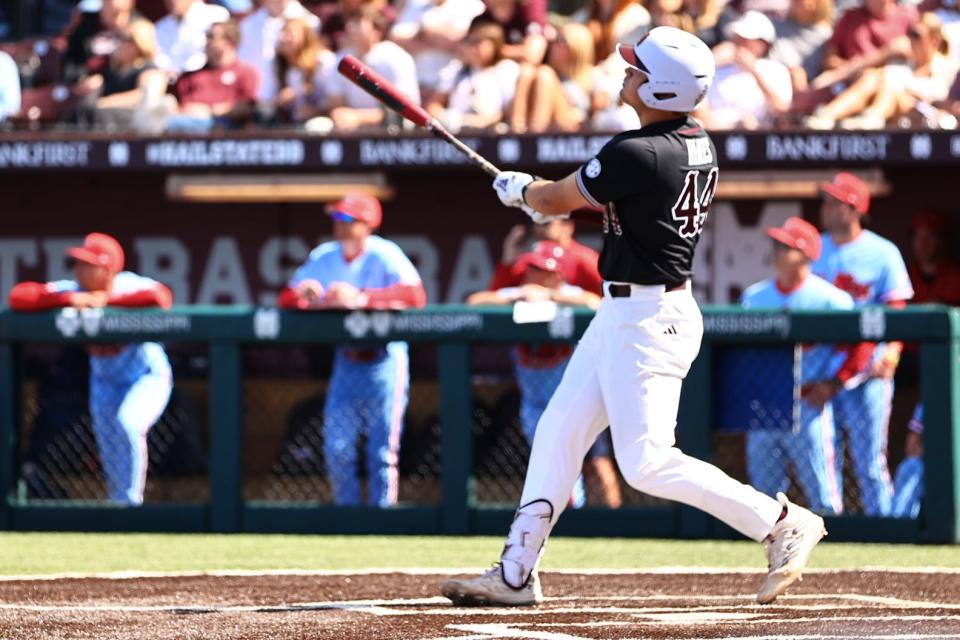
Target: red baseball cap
x,y
101,250
849,189
359,206
797,233
540,260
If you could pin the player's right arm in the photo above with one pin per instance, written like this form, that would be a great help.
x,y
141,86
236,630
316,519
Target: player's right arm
x,y
40,296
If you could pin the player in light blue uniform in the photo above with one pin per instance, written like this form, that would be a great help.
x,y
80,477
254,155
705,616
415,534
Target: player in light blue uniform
x,y
871,269
130,385
908,487
369,384
803,434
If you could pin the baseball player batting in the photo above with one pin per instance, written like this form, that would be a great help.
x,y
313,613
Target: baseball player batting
x,y
871,269
808,444
130,385
655,185
369,385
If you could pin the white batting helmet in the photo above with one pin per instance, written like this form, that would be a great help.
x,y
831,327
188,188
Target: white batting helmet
x,y
679,66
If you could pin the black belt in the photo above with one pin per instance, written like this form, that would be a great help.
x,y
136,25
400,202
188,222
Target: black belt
x,y
625,290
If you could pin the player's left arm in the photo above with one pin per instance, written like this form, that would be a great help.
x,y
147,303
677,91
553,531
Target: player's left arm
x,y
152,294
896,290
405,290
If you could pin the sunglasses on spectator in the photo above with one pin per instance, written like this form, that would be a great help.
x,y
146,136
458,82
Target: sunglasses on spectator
x,y
340,216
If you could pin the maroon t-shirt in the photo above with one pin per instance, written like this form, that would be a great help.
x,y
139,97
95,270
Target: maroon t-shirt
x,y
530,17
859,32
234,85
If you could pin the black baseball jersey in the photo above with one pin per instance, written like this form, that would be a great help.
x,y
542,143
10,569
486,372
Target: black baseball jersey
x,y
656,185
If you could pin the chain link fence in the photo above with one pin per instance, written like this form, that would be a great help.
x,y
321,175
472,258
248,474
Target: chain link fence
x,y
835,460
83,438
341,426
783,425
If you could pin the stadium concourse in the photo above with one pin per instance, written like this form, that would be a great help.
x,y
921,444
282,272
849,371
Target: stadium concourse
x,y
692,604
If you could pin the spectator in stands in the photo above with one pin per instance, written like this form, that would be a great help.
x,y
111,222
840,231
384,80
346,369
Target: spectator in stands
x,y
110,97
539,368
351,106
897,90
802,40
784,430
9,87
475,90
130,385
222,93
613,21
949,13
700,17
864,39
304,70
94,36
563,92
431,31
578,262
749,90
182,34
523,23
952,104
367,395
259,34
335,15
934,273
908,485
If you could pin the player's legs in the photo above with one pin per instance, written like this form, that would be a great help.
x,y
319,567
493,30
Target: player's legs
x,y
341,431
389,383
908,488
866,412
140,409
811,450
105,399
649,346
767,461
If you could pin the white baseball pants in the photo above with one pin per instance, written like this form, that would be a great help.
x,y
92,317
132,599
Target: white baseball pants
x,y
627,372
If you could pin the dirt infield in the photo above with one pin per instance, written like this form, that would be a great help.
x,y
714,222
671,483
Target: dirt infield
x,y
708,605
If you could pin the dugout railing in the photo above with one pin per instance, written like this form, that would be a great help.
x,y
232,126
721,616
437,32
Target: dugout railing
x,y
455,330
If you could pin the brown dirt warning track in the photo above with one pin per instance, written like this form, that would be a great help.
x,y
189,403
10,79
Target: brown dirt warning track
x,y
895,605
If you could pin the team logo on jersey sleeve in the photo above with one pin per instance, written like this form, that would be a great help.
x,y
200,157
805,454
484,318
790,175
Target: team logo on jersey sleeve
x,y
593,168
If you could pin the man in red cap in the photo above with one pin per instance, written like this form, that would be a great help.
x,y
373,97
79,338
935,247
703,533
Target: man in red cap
x,y
578,262
871,269
130,384
935,277
368,387
781,431
539,368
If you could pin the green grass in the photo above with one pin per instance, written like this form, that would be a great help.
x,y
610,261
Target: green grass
x,y
39,553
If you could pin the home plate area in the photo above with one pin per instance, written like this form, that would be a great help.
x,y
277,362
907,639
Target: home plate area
x,y
405,605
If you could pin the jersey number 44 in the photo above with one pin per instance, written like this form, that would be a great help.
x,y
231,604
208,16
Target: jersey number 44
x,y
692,207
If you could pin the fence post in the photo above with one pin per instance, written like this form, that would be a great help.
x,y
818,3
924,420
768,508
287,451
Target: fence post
x,y
226,441
940,393
695,428
10,402
456,435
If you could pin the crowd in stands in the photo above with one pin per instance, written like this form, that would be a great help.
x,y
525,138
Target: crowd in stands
x,y
520,65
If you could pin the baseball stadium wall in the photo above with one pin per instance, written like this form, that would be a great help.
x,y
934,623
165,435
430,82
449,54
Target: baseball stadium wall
x,y
223,219
447,346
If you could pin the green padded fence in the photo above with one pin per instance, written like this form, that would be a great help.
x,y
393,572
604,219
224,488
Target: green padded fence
x,y
454,329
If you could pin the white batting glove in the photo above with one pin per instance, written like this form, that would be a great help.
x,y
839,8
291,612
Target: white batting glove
x,y
509,186
536,216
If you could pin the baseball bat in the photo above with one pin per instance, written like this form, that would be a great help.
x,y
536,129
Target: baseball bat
x,y
381,89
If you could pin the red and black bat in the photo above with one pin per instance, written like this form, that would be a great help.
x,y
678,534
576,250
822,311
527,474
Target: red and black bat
x,y
381,89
